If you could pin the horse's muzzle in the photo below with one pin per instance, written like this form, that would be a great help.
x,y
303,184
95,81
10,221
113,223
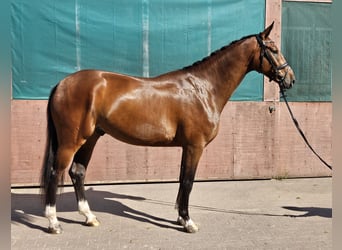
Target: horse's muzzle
x,y
289,79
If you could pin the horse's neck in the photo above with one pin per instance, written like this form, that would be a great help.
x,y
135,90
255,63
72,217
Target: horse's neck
x,y
225,70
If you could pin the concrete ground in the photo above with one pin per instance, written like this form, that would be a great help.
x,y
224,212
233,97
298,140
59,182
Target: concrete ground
x,y
267,214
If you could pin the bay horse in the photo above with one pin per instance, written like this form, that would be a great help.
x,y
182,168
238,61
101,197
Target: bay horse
x,y
177,109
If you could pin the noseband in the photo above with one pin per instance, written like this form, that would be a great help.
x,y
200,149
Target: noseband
x,y
276,69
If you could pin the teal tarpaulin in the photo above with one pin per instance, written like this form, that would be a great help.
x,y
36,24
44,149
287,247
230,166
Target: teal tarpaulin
x,y
306,42
51,39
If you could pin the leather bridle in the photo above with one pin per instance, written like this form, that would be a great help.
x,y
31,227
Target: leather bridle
x,y
275,68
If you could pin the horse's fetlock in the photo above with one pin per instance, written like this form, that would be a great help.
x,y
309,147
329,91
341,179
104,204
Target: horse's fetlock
x,y
183,213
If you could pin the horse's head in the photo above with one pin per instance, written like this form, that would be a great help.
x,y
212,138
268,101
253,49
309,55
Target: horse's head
x,y
271,61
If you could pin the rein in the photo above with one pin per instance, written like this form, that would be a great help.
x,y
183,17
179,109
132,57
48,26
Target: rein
x,y
300,130
280,80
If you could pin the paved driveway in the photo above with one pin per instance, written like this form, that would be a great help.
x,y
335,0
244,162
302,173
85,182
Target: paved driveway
x,y
267,214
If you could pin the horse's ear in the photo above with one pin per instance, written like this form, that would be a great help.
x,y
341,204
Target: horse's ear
x,y
267,31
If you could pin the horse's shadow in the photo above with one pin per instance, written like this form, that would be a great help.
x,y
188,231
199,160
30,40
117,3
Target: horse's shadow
x,y
27,206
24,207
310,211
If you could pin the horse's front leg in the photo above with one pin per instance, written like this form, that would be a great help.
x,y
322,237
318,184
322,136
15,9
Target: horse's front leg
x,y
190,159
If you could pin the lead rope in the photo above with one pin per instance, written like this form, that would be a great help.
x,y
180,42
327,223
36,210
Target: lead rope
x,y
300,130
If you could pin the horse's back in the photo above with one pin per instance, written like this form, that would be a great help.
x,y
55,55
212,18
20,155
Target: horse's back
x,y
144,111
83,87
132,109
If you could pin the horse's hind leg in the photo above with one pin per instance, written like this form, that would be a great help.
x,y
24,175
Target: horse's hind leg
x,y
77,173
50,205
64,158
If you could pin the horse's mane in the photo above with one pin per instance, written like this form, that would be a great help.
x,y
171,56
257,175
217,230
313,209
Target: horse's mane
x,y
217,51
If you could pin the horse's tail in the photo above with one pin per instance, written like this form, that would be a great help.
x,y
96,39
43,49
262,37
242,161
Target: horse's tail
x,y
48,167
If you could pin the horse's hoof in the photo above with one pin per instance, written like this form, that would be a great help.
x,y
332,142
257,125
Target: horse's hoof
x,y
93,223
191,228
188,225
55,230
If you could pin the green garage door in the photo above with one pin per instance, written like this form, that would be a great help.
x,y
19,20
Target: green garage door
x,y
306,42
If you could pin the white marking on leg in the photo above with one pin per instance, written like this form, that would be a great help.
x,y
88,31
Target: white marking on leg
x,y
189,225
51,215
83,208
